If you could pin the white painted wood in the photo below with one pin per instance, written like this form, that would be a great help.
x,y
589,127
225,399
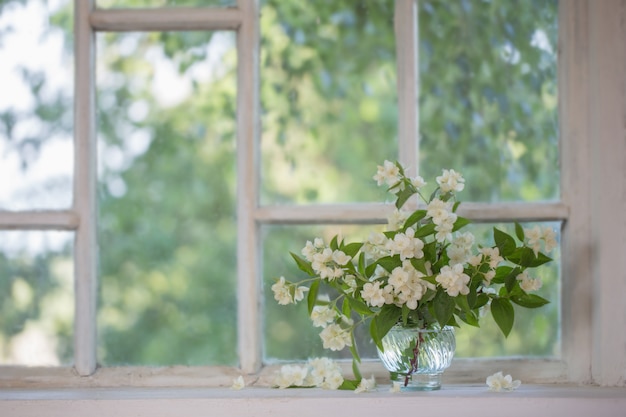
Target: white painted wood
x,y
163,19
607,82
372,213
39,220
249,267
575,147
85,204
528,400
405,21
462,371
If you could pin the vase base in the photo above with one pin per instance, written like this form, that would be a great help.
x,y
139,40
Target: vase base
x,y
418,382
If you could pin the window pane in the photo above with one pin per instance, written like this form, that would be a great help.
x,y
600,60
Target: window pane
x,y
536,332
488,99
166,107
288,332
36,148
36,298
290,335
328,96
165,3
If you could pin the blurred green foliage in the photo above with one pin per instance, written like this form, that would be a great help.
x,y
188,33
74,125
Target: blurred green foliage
x,y
167,173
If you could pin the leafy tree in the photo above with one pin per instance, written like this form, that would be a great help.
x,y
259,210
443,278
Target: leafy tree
x,y
167,178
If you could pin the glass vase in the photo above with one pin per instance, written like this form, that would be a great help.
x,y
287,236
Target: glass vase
x,y
416,358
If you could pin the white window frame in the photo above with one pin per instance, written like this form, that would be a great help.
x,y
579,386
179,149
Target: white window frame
x,y
592,97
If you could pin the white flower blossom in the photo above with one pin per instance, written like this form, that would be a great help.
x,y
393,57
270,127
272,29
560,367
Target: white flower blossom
x,y
366,385
498,382
388,173
373,294
324,373
298,293
453,280
335,338
290,376
438,210
350,281
444,229
322,315
238,383
527,283
395,387
549,238
533,237
406,245
396,219
341,258
282,294
418,182
493,254
451,181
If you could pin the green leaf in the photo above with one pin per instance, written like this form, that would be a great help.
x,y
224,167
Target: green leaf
x,y
415,217
455,206
351,249
312,296
359,306
481,300
345,308
519,231
362,270
463,303
526,257
389,263
355,357
529,300
469,318
460,223
304,265
333,244
501,273
443,306
388,316
504,242
350,384
355,367
403,197
426,230
503,314
511,279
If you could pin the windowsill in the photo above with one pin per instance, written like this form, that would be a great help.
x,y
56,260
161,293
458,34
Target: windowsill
x,y
467,400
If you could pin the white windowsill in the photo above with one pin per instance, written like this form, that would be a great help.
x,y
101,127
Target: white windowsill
x,y
466,400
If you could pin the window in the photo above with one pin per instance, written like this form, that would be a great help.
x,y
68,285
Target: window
x,y
268,192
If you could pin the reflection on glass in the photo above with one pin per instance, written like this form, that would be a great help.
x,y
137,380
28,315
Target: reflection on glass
x,y
167,198
36,150
289,334
488,99
165,3
36,298
328,96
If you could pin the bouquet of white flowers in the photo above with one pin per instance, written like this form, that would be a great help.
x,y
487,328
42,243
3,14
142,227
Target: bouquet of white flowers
x,y
424,272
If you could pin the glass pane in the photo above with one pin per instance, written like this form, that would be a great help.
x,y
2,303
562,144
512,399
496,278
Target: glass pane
x,y
36,298
536,332
288,331
165,3
36,148
488,99
328,96
166,107
290,335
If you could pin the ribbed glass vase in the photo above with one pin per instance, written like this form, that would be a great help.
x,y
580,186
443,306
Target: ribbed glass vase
x,y
416,358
